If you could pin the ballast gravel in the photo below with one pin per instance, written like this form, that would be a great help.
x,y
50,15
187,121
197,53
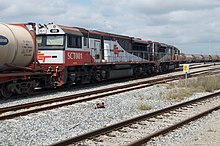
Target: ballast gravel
x,y
203,132
48,127
21,99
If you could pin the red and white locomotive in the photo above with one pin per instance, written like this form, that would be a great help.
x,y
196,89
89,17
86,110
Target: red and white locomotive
x,y
77,55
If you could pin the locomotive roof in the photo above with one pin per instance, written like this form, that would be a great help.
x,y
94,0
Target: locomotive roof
x,y
138,40
161,44
109,34
165,45
80,31
71,30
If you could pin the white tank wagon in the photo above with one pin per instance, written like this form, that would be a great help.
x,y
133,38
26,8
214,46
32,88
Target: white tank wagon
x,y
17,46
20,71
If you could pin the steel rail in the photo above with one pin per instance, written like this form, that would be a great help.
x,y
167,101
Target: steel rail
x,y
23,113
69,97
119,125
200,66
172,127
115,90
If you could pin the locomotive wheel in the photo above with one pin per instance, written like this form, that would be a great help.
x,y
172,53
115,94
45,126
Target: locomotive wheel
x,y
31,90
4,91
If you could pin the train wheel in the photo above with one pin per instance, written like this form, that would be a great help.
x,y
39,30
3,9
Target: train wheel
x,y
98,76
166,68
78,81
30,90
5,92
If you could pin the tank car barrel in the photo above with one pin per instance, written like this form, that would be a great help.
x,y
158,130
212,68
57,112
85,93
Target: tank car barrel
x,y
17,46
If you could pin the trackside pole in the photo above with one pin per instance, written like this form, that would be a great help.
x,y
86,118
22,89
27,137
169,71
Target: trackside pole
x,y
186,79
186,70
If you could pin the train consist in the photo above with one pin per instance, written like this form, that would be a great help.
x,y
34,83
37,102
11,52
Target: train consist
x,y
192,58
52,55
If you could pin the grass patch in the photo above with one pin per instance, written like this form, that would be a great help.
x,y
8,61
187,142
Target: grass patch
x,y
204,83
177,94
143,106
194,85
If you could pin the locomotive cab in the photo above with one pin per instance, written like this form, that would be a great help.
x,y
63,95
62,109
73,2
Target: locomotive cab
x,y
54,45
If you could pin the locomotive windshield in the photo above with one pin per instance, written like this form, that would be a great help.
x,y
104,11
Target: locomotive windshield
x,y
50,42
54,41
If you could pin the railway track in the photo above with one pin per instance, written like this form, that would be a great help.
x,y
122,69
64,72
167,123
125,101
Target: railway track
x,y
78,87
194,66
34,107
139,130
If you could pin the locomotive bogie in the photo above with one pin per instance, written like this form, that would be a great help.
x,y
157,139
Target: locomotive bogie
x,y
19,82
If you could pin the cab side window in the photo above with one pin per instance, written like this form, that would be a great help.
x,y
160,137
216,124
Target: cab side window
x,y
74,41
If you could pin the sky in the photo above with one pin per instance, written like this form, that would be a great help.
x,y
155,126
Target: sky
x,y
193,26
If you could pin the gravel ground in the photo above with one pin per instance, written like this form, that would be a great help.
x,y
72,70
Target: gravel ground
x,y
207,134
203,132
51,126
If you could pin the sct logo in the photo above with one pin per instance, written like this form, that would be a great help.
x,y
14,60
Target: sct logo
x,y
42,57
74,55
3,40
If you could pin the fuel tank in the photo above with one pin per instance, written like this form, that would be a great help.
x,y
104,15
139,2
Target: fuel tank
x,y
16,46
